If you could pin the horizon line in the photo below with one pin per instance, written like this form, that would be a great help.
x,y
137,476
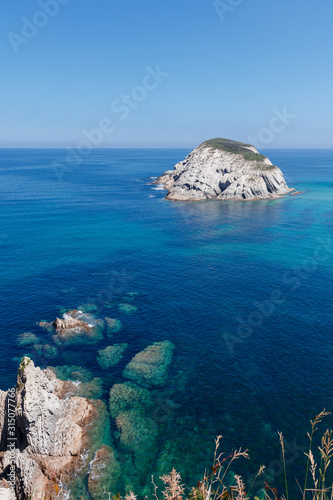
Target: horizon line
x,y
158,147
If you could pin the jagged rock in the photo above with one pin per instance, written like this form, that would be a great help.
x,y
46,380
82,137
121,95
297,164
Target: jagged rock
x,y
104,472
150,365
70,324
77,326
51,432
225,170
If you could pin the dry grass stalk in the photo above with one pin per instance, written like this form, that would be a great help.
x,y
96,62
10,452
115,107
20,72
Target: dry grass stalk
x,y
240,489
131,496
284,463
174,490
317,420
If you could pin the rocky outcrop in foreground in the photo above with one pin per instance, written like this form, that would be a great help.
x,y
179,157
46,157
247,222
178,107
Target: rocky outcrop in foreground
x,y
225,170
43,434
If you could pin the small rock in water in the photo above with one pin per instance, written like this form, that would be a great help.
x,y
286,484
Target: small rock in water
x,y
77,327
114,325
46,325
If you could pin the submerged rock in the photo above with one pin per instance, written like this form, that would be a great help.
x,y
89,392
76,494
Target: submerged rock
x,y
46,350
150,366
46,325
72,372
84,384
91,390
128,396
137,431
51,431
77,326
138,434
104,473
225,170
111,355
88,308
127,308
28,338
114,325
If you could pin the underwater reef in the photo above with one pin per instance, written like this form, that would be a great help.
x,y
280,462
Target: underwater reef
x,y
150,366
124,388
140,395
111,355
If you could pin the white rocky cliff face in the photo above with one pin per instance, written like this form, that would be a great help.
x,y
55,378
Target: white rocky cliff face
x,y
49,430
225,170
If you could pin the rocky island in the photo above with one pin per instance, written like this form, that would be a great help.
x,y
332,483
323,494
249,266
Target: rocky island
x,y
225,170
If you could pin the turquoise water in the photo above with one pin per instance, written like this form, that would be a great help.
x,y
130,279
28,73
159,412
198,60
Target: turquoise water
x,y
242,289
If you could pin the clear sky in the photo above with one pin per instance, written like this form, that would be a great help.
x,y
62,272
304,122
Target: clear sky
x,y
166,73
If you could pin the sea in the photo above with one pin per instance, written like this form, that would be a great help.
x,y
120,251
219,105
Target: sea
x,y
243,290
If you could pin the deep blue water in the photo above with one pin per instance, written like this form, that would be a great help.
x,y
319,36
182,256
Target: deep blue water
x,y
202,271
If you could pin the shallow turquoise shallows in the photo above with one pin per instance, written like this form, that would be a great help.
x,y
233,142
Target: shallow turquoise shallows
x,y
242,289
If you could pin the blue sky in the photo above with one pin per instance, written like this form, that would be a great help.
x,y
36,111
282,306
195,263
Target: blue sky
x,y
225,70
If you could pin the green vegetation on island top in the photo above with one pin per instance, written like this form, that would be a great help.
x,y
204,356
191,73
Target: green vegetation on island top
x,y
235,147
